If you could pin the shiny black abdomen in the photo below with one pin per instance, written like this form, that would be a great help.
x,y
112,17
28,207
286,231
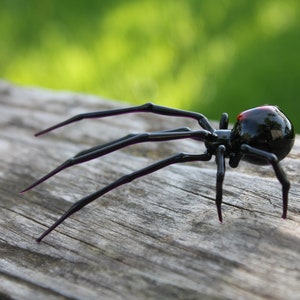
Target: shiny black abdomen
x,y
265,128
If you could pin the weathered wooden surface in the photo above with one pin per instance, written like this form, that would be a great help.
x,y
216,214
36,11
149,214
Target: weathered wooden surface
x,y
156,238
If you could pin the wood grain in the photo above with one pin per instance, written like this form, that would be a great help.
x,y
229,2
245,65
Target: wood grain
x,y
155,238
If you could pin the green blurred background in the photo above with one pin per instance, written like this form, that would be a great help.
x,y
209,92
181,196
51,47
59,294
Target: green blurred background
x,y
205,55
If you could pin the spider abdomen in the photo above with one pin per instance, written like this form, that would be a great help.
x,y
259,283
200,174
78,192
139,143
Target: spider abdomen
x,y
265,128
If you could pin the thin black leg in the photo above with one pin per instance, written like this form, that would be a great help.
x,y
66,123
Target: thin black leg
x,y
128,140
220,161
280,174
148,107
98,147
224,121
235,159
177,158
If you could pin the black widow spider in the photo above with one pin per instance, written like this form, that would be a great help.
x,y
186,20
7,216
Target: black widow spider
x,y
261,135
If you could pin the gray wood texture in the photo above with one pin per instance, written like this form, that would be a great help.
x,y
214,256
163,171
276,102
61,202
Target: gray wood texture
x,y
156,238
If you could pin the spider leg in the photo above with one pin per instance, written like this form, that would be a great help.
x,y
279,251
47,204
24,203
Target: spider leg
x,y
148,107
224,121
77,159
280,174
177,158
128,140
220,161
98,147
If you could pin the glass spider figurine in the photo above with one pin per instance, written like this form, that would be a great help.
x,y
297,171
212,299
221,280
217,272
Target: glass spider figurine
x,y
261,135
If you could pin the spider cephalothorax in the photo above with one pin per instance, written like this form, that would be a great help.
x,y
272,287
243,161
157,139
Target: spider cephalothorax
x,y
261,135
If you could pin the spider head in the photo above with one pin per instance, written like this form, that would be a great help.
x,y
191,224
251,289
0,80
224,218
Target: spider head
x,y
265,128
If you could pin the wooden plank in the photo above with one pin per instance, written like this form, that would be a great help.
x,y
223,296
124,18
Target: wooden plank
x,y
155,238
